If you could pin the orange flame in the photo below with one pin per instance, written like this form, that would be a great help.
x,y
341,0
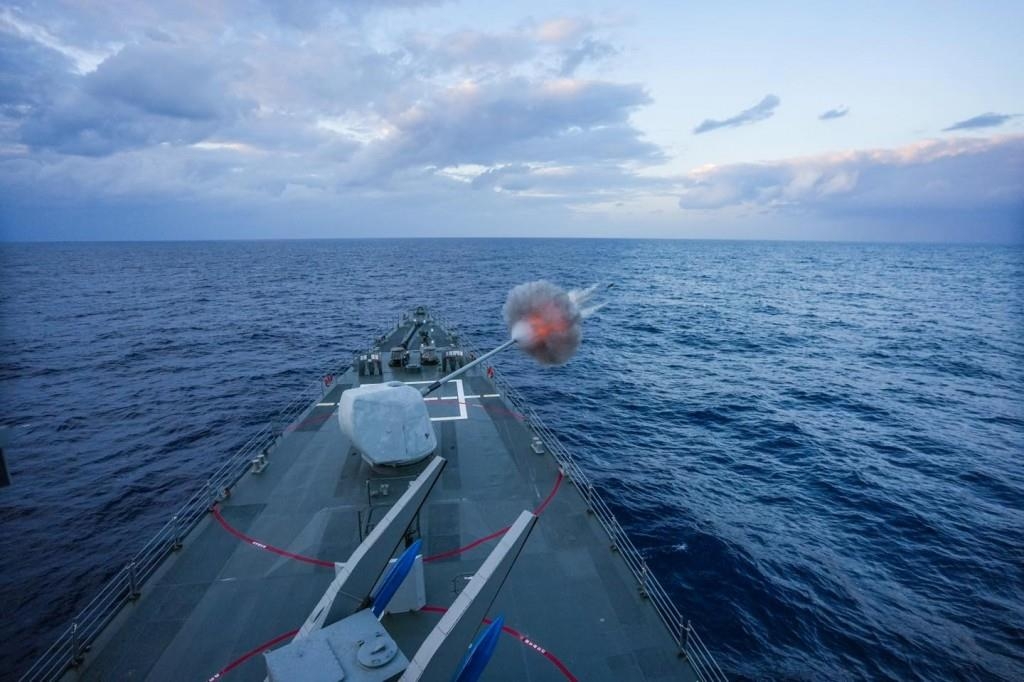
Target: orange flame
x,y
543,326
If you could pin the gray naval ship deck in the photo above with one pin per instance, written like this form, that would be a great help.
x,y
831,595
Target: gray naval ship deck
x,y
227,581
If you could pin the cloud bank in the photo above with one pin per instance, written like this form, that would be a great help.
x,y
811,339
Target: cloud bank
x,y
761,111
305,104
270,119
956,174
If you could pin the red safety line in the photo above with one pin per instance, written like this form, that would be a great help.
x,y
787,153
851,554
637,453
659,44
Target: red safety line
x,y
430,609
498,533
254,652
434,557
543,505
466,548
562,668
264,546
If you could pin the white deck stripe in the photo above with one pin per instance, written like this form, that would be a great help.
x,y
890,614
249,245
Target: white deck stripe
x,y
462,399
467,397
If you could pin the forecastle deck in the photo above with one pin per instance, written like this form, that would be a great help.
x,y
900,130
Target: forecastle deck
x,y
578,604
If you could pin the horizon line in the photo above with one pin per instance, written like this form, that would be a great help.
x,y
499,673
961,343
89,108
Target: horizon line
x,y
936,242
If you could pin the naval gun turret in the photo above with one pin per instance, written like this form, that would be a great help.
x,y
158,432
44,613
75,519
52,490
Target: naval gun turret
x,y
389,424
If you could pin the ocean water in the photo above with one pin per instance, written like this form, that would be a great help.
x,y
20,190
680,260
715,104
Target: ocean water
x,y
818,447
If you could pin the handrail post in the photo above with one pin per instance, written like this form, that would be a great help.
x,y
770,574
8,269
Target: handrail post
x,y
133,581
211,493
76,647
175,533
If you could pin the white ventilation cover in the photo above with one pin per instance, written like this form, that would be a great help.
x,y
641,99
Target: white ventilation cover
x,y
387,423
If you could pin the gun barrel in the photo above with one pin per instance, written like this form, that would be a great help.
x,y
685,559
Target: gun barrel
x,y
412,332
465,368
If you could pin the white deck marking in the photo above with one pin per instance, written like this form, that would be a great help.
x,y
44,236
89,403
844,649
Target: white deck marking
x,y
451,397
462,399
460,396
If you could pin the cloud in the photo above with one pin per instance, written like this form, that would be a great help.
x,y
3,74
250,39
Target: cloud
x,y
170,80
988,120
762,110
309,14
832,114
274,111
30,74
563,120
936,175
563,30
124,104
579,184
566,41
588,50
467,49
83,60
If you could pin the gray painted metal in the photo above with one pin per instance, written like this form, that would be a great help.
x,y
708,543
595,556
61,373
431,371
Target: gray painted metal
x,y
350,590
437,659
355,649
465,368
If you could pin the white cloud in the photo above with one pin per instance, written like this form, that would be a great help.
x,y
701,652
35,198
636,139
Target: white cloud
x,y
85,60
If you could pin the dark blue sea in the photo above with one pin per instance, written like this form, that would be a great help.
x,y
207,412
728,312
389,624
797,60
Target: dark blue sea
x,y
818,447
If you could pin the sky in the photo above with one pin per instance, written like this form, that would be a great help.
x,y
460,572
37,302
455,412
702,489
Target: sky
x,y
236,119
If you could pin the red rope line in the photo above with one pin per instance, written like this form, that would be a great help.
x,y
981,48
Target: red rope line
x,y
498,533
547,500
562,668
253,652
466,548
264,546
330,564
432,609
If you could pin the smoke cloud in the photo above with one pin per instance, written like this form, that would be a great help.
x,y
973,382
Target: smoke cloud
x,y
546,321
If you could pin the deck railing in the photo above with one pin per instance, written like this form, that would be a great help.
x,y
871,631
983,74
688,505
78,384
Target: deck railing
x,y
684,634
74,640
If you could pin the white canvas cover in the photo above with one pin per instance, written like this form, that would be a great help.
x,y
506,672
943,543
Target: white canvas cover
x,y
387,423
